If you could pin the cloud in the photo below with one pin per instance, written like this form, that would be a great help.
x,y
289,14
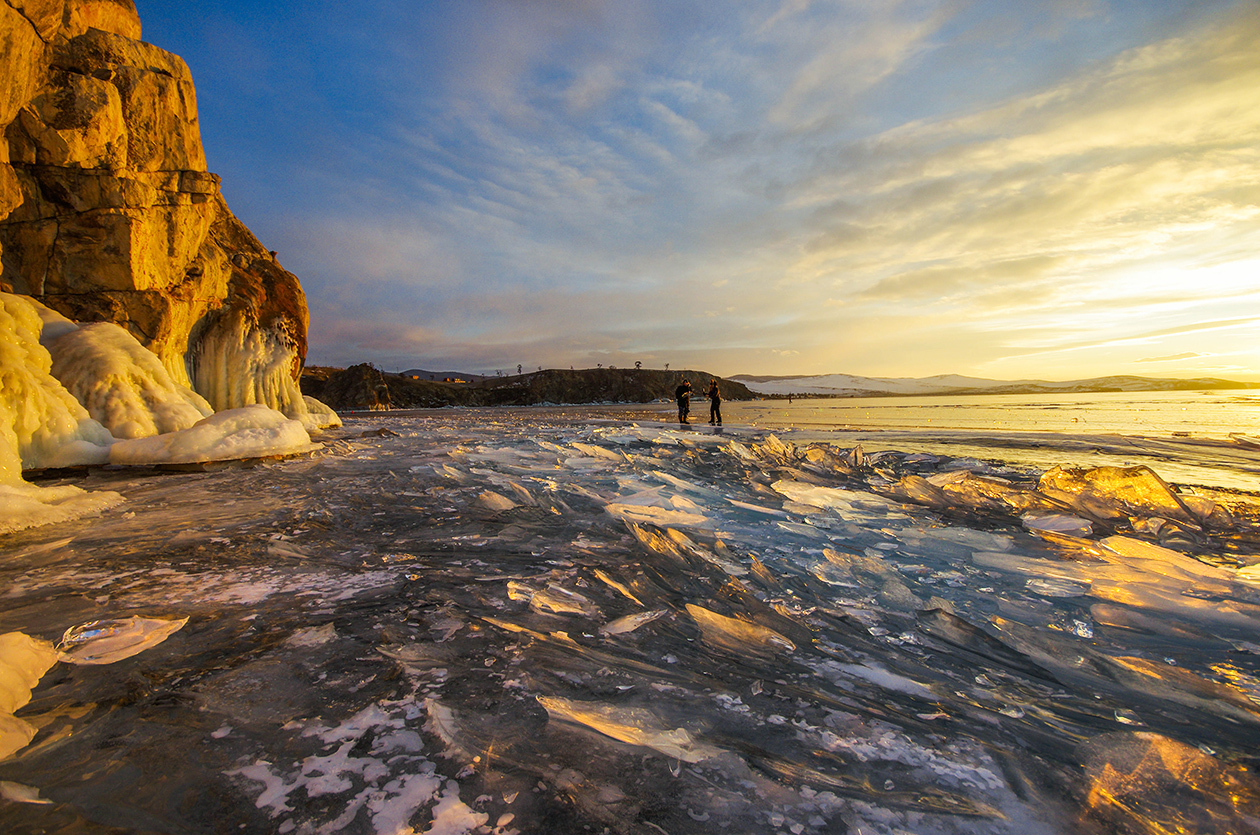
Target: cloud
x,y
842,185
1185,355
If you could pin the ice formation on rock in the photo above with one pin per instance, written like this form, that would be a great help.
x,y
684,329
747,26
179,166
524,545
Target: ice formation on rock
x,y
43,425
110,216
239,364
322,416
128,394
54,324
249,432
122,383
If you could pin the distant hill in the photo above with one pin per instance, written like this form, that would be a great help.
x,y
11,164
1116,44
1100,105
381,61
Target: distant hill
x,y
366,387
848,385
445,376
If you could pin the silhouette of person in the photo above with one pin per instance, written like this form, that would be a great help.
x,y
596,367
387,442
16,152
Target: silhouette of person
x,y
715,403
683,395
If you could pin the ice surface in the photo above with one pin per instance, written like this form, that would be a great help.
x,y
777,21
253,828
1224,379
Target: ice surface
x,y
1128,774
649,630
122,384
248,432
1058,523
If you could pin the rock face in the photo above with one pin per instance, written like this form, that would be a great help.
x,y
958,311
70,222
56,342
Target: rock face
x,y
107,211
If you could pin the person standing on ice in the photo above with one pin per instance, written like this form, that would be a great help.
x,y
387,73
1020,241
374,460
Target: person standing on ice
x,y
683,395
715,403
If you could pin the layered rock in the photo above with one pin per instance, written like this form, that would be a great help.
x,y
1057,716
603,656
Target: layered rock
x,y
107,211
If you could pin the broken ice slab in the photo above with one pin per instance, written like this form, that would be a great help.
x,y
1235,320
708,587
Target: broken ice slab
x,y
849,504
1054,587
1147,782
965,490
496,501
593,451
561,601
631,725
1059,523
687,486
618,585
661,516
769,511
774,450
629,623
1121,492
107,641
737,636
1157,559
19,793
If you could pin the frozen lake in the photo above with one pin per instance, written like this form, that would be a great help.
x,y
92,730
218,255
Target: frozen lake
x,y
584,620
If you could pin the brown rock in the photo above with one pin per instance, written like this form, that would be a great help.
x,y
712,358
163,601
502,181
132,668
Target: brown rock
x,y
22,60
116,16
45,16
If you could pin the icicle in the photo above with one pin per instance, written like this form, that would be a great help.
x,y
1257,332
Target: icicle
x,y
238,363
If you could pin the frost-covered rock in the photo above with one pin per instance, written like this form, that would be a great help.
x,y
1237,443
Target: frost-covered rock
x,y
41,425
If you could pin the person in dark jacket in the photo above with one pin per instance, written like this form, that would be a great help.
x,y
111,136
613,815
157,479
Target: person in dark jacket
x,y
683,395
715,403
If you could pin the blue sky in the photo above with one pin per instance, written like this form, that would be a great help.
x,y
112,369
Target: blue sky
x,y
1009,189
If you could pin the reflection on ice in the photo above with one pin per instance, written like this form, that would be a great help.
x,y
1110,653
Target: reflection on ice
x,y
487,622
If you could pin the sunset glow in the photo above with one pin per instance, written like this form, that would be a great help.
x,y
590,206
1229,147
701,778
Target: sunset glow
x,y
1011,190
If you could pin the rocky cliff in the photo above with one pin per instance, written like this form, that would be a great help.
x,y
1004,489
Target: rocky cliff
x,y
107,211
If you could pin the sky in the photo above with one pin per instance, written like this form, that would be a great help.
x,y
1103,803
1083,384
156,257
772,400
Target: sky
x,y
1009,189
